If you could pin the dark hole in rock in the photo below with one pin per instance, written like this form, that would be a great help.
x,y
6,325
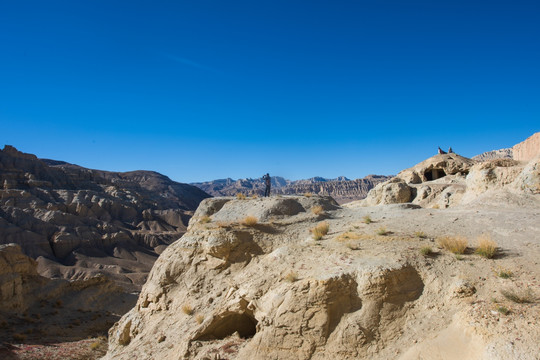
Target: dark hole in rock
x,y
225,326
434,174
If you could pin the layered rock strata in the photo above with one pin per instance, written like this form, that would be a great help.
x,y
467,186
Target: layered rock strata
x,y
341,189
80,222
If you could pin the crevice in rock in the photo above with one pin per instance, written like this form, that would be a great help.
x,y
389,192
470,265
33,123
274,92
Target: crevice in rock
x,y
227,324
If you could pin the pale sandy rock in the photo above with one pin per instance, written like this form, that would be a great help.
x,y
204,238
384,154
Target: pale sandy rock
x,y
436,167
527,149
393,191
269,291
529,179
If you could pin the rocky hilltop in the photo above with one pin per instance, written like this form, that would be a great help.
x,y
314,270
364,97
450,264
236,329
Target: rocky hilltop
x,y
449,180
80,222
341,189
235,288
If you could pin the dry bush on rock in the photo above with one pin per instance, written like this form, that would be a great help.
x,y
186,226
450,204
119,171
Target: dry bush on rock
x,y
320,230
317,210
454,244
250,221
486,246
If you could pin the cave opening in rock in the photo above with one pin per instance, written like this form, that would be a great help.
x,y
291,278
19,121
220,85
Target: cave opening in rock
x,y
221,327
434,174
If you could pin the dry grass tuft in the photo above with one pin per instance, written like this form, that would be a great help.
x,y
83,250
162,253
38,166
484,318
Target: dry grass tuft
x,y
519,296
504,273
250,221
206,219
420,234
320,230
291,277
353,245
348,236
426,250
367,219
187,309
223,224
382,231
199,318
308,194
317,210
255,196
486,246
503,310
241,196
454,244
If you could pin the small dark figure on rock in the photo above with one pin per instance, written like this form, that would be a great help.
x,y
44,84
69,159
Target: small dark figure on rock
x,y
450,151
441,151
268,184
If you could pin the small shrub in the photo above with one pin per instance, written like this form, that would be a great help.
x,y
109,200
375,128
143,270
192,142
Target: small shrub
x,y
367,219
255,196
382,231
504,274
250,221
520,297
241,196
459,257
223,224
199,318
308,194
206,219
291,277
58,304
503,310
187,309
426,250
436,206
420,234
320,230
317,210
349,235
486,246
454,244
353,245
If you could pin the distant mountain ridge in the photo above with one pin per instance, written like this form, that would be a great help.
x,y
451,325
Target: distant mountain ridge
x,y
341,188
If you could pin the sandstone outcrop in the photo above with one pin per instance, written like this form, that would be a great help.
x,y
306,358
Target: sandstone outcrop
x,y
449,180
526,150
74,220
341,189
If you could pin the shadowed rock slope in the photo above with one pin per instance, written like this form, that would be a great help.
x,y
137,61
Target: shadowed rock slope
x,y
79,222
231,289
36,309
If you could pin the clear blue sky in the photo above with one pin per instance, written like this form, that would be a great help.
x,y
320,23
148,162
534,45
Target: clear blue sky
x,y
199,90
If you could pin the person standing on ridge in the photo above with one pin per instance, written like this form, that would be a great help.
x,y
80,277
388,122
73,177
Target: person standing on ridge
x,y
268,184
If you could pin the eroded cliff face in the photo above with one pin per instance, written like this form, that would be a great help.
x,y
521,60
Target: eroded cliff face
x,y
270,291
526,150
79,222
